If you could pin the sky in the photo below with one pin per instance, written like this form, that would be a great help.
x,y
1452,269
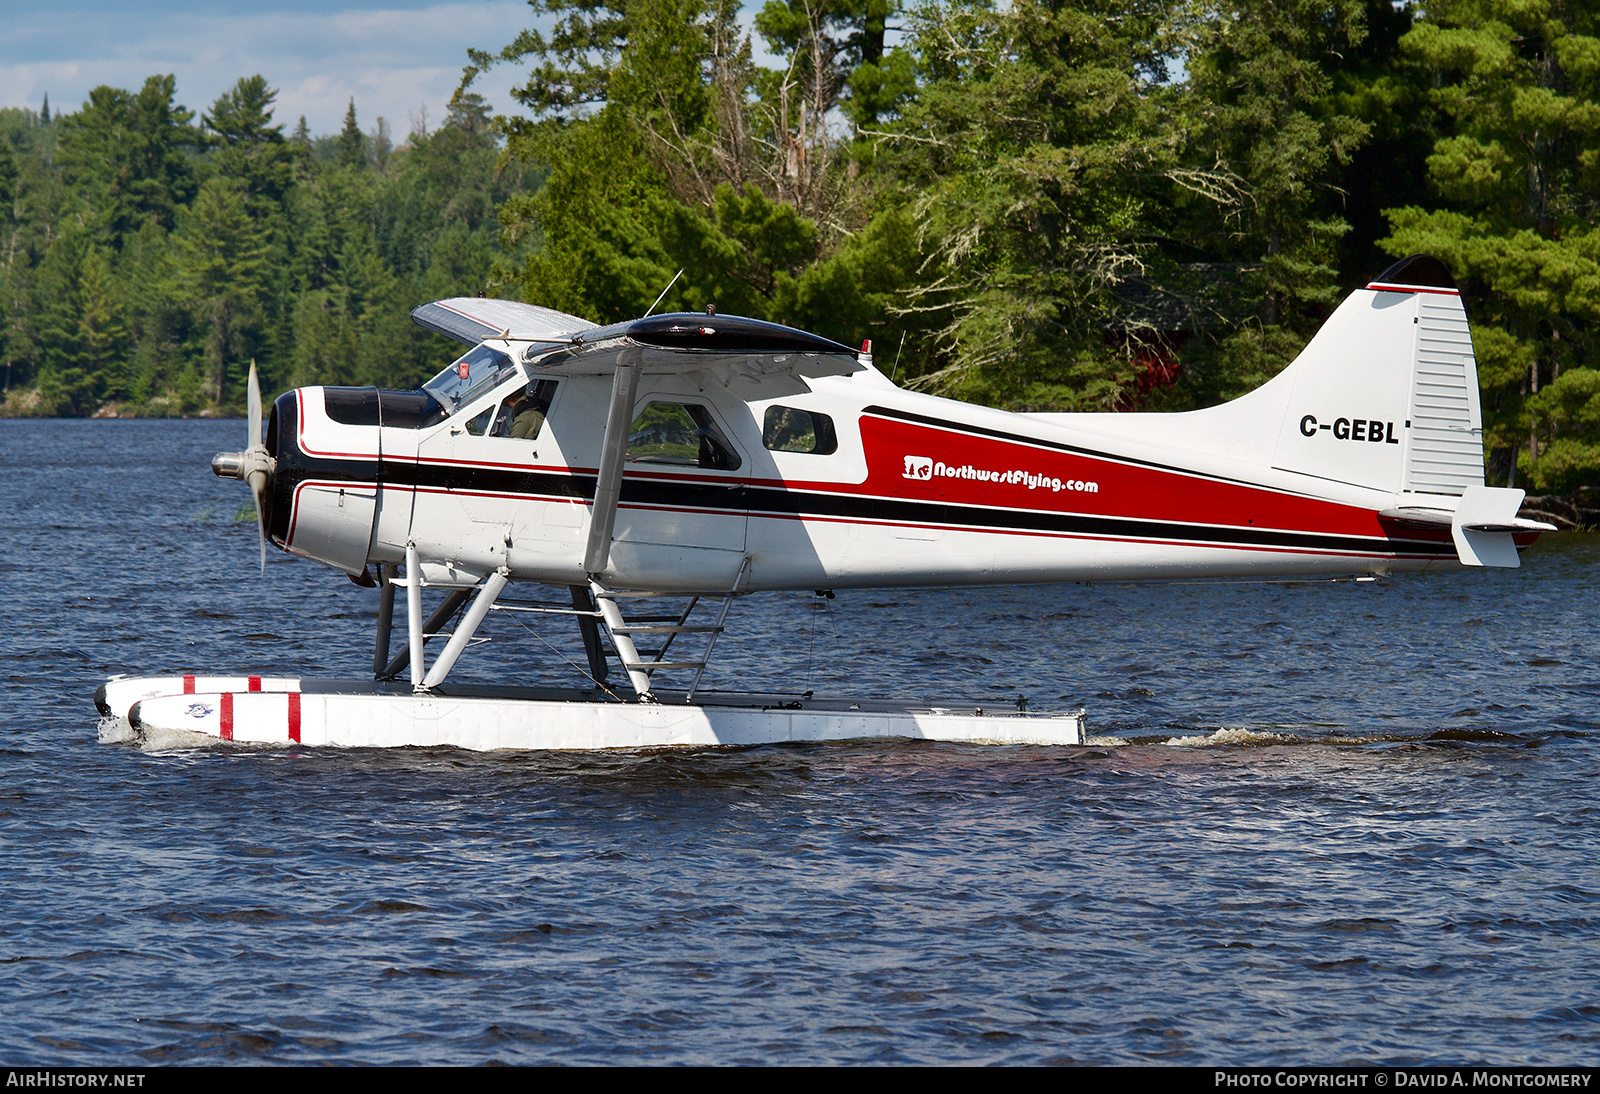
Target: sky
x,y
396,58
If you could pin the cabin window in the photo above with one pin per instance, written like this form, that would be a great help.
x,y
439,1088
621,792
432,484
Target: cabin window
x,y
469,376
680,435
521,417
479,425
786,429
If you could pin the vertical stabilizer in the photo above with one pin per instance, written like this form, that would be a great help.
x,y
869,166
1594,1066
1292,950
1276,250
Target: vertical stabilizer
x,y
1386,395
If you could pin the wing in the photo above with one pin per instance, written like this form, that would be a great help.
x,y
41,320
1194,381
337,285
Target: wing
x,y
737,348
474,319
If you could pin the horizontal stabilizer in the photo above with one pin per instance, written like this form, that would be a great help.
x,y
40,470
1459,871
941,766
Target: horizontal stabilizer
x,y
1419,515
1484,522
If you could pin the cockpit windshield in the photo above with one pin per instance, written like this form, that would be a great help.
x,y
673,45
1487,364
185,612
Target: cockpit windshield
x,y
481,369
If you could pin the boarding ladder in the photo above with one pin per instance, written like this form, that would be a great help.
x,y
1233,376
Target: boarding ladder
x,y
643,640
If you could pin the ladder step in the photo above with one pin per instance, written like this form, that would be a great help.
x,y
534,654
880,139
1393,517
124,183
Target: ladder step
x,y
544,610
613,594
649,666
693,628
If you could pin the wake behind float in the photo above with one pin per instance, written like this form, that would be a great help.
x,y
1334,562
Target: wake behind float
x,y
659,469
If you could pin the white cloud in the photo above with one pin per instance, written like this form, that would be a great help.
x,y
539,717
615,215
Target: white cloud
x,y
391,61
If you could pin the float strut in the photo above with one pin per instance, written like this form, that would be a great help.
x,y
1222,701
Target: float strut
x,y
464,631
414,612
582,601
443,612
380,648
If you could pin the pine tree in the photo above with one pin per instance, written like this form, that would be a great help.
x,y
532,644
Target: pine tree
x,y
222,269
848,38
252,150
351,148
128,156
102,335
1036,150
1520,84
1263,66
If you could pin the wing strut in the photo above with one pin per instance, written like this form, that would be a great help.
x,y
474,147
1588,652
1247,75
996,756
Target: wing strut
x,y
613,451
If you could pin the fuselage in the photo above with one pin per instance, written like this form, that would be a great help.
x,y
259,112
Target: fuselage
x,y
851,481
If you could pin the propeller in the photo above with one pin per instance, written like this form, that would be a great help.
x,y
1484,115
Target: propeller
x,y
254,465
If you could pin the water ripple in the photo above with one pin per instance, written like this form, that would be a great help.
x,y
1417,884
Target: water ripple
x,y
1317,822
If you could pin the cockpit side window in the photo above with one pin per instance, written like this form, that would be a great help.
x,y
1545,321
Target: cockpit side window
x,y
680,435
471,375
786,429
522,417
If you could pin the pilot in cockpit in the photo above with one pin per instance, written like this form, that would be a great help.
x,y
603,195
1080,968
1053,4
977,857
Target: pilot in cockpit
x,y
524,419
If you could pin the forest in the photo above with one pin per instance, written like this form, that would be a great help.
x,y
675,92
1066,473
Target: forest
x,y
1090,205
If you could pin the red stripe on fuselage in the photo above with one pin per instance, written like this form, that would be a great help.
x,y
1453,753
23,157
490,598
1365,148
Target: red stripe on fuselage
x,y
294,716
227,716
1122,490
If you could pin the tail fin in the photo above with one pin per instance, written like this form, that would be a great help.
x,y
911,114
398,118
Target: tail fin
x,y
1386,395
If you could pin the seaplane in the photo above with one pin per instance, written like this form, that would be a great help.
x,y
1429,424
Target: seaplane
x,y
647,474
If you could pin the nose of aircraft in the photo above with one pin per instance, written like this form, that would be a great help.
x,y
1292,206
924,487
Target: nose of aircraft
x,y
255,465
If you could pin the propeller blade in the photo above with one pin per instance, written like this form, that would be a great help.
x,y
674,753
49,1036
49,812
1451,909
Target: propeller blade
x,y
255,407
258,488
261,525
258,479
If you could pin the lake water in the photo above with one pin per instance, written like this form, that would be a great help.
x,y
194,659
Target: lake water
x,y
1321,822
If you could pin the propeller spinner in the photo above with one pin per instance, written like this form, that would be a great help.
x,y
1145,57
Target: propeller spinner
x,y
253,465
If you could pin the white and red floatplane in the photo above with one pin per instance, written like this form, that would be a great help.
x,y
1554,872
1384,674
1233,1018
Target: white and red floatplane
x,y
656,470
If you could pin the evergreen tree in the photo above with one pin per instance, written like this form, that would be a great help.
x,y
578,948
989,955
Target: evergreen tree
x,y
83,338
1035,150
222,259
742,194
1520,84
351,147
253,150
1264,68
846,40
128,156
1264,105
8,210
8,177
